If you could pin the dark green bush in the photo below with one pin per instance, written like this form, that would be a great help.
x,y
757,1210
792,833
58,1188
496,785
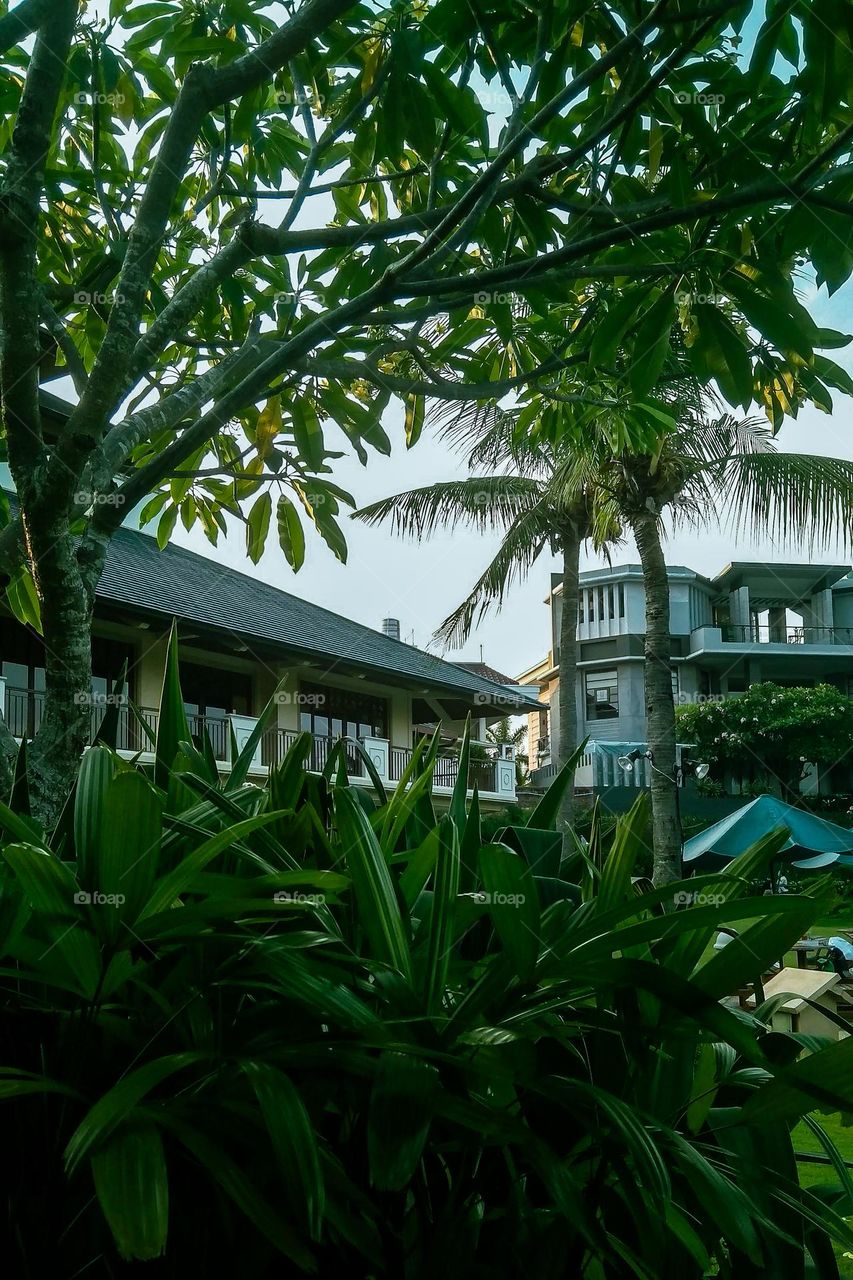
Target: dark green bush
x,y
308,1028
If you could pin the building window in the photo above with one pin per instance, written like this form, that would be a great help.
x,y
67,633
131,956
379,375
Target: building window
x,y
611,604
601,604
602,695
621,599
580,607
337,713
675,685
592,606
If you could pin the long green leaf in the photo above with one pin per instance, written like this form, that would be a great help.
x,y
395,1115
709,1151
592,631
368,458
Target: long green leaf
x,y
132,1183
293,1139
172,726
378,909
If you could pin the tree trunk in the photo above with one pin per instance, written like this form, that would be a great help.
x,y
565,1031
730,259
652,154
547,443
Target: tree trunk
x,y
567,690
66,577
660,708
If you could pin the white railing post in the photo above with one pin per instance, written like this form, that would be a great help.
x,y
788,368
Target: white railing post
x,y
379,753
243,727
505,773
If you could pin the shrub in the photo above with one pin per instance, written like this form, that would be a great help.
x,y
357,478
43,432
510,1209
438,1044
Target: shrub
x,y
310,1028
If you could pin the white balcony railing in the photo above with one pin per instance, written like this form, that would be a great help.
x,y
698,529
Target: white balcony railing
x,y
491,768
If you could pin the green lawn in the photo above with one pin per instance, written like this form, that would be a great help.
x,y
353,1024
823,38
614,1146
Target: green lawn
x,y
810,1174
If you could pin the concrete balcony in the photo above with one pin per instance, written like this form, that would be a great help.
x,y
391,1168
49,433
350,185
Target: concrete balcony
x,y
491,768
767,639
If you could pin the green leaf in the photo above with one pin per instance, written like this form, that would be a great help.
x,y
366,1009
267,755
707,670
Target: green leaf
x,y
415,410
128,847
401,1108
172,726
293,1139
96,771
544,817
307,433
719,352
53,892
441,922
257,526
652,344
513,905
118,1103
132,1183
378,909
291,535
23,598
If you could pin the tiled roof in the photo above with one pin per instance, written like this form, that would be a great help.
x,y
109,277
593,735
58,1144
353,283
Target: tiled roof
x,y
181,584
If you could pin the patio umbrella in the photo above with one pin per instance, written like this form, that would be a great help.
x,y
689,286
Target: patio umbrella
x,y
812,842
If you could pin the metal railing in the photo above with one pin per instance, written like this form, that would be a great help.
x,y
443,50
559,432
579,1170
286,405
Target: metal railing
x,y
23,710
276,743
482,773
802,635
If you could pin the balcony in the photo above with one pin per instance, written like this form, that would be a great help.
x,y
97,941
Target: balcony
x,y
803,635
491,769
778,639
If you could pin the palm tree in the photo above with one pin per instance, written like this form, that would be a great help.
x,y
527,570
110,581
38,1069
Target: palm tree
x,y
519,489
502,734
700,472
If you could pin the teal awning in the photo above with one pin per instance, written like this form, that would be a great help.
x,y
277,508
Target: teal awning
x,y
812,842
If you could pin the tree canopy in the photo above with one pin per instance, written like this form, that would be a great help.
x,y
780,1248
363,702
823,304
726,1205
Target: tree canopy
x,y
230,224
770,731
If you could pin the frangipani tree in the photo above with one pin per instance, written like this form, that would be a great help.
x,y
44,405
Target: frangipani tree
x,y
227,224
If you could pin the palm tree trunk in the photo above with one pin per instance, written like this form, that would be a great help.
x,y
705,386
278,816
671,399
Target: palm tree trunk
x,y
660,708
568,663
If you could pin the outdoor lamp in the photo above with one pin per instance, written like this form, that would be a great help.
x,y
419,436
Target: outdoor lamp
x,y
693,769
626,763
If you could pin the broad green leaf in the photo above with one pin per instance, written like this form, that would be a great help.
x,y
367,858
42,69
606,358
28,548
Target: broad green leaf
x,y
132,1184
509,891
172,727
293,1139
401,1109
291,535
379,912
258,525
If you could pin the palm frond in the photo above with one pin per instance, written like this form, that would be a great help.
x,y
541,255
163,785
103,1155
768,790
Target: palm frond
x,y
797,498
523,543
482,502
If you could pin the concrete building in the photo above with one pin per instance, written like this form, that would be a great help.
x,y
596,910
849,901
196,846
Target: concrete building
x,y
789,623
244,642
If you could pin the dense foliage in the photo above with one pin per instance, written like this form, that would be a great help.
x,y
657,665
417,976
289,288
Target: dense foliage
x,y
768,736
311,1028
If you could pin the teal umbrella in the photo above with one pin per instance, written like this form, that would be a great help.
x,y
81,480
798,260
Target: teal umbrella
x,y
812,842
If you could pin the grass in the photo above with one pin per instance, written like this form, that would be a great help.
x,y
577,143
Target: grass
x,y
813,1174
